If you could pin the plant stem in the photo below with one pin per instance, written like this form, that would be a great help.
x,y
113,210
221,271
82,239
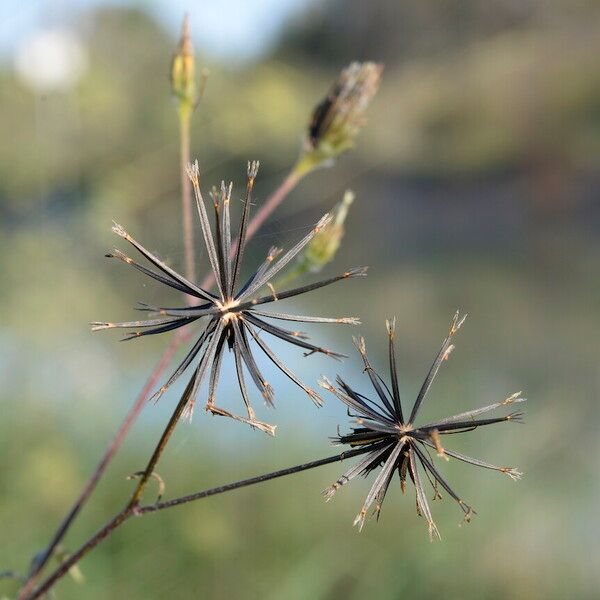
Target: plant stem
x,y
162,444
276,198
247,482
130,510
186,193
108,455
184,114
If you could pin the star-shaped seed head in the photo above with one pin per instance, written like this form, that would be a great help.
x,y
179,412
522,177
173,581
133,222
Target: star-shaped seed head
x,y
233,317
394,443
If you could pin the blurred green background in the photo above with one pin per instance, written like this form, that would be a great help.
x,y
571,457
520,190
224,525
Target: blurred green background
x,y
476,183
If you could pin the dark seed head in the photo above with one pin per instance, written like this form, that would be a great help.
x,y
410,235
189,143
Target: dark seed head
x,y
394,444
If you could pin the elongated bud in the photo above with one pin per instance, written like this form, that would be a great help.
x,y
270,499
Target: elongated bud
x,y
338,118
322,249
183,70
324,246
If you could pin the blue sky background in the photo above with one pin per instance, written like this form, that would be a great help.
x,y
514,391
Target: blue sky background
x,y
232,29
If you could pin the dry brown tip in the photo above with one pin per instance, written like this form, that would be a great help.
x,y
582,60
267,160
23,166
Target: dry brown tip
x,y
273,292
314,397
252,170
119,230
513,473
329,492
323,222
325,384
437,442
448,352
457,322
193,171
391,327
186,38
360,518
98,325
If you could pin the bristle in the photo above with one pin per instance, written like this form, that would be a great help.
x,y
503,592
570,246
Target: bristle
x,y
193,171
433,531
314,397
119,230
457,322
329,492
274,252
360,344
325,384
349,320
360,519
188,411
253,169
513,473
323,222
391,327
98,325
514,399
516,417
356,272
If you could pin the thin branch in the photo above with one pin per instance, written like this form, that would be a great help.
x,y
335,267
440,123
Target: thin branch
x,y
108,455
274,200
162,443
130,511
182,336
186,195
253,480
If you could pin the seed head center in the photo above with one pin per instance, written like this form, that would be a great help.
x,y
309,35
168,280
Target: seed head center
x,y
226,308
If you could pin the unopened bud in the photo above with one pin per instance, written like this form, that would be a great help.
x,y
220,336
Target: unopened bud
x,y
322,249
183,69
337,120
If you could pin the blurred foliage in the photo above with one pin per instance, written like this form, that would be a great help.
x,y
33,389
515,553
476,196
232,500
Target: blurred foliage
x,y
476,182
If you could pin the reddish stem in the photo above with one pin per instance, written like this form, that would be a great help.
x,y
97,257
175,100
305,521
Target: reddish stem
x,y
132,509
182,336
186,196
109,453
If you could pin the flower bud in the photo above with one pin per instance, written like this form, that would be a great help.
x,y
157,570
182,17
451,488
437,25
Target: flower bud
x,y
336,120
325,244
183,70
322,249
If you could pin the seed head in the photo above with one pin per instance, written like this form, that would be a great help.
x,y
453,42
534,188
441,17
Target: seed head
x,y
395,444
233,318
